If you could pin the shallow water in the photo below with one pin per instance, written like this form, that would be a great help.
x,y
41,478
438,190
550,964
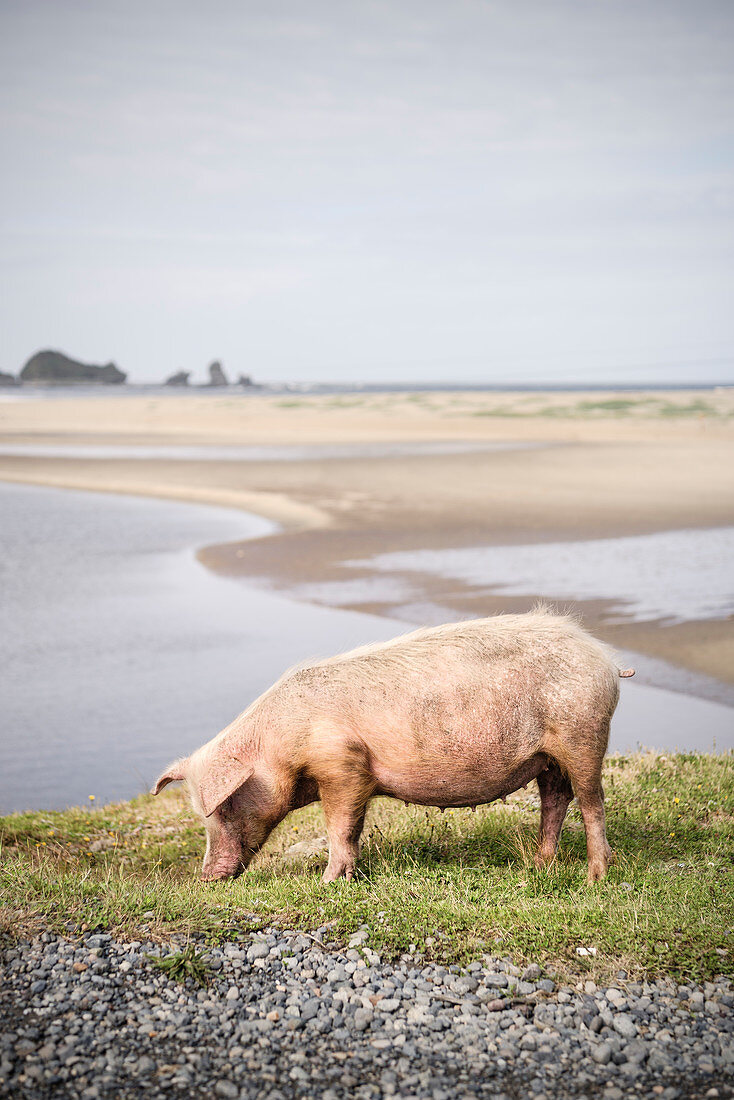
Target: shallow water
x,y
119,651
675,576
216,453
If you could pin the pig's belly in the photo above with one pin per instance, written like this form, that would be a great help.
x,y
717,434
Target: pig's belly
x,y
457,786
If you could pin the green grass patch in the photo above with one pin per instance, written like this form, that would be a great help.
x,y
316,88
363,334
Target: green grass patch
x,y
455,885
180,965
688,408
604,408
620,405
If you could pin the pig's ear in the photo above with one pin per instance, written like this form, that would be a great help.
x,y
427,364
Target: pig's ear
x,y
223,775
173,774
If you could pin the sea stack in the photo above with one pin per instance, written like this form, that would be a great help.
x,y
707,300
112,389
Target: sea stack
x,y
181,378
53,367
217,377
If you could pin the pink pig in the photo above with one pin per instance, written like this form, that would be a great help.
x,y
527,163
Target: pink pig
x,y
455,715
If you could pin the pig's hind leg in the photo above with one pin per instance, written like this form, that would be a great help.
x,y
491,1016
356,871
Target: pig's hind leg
x,y
584,765
591,802
556,793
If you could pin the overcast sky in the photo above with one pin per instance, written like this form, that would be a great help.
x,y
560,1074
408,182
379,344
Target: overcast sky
x,y
404,191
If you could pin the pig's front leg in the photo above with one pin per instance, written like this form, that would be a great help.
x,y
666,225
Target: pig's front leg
x,y
344,815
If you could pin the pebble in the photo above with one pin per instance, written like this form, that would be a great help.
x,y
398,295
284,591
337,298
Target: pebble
x,y
624,1025
227,1089
288,1016
601,1053
258,951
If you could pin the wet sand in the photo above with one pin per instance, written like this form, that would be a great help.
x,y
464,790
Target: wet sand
x,y
603,465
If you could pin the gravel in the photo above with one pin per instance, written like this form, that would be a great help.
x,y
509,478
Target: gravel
x,y
289,1015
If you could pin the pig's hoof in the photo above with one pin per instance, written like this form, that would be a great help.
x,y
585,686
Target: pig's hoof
x,y
597,870
331,874
544,859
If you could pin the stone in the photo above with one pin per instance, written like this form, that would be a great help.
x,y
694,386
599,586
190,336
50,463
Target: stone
x,y
624,1025
496,981
363,1018
310,1008
226,1089
311,846
465,985
258,951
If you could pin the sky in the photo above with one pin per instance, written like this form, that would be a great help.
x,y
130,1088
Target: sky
x,y
530,191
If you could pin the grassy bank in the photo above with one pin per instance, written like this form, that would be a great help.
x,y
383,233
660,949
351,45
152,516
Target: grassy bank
x,y
455,885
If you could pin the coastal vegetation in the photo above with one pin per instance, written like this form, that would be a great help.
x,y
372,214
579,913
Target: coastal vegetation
x,y
450,886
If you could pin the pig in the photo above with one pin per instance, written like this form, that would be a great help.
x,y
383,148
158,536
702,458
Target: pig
x,y
448,716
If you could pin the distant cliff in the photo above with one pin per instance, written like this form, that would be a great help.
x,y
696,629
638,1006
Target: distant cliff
x,y
53,366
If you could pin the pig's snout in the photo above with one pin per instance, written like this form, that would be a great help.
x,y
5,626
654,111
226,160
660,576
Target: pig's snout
x,y
218,874
214,870
227,855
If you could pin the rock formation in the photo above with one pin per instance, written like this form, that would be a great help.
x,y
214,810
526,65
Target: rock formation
x,y
217,377
179,379
55,367
8,380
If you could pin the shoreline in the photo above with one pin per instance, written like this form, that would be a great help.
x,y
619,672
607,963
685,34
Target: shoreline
x,y
571,479
277,560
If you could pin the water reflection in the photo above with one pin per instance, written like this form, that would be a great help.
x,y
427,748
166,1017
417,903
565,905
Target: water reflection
x,y
675,576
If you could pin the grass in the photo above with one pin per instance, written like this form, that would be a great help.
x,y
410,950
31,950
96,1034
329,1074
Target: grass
x,y
691,408
180,965
455,885
716,406
608,407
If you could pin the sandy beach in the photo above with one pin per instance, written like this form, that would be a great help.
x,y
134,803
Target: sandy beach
x,y
546,468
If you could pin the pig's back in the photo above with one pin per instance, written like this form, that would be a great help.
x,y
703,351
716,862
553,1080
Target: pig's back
x,y
487,684
544,646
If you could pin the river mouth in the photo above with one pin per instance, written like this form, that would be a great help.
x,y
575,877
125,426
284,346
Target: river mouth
x,y
120,651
